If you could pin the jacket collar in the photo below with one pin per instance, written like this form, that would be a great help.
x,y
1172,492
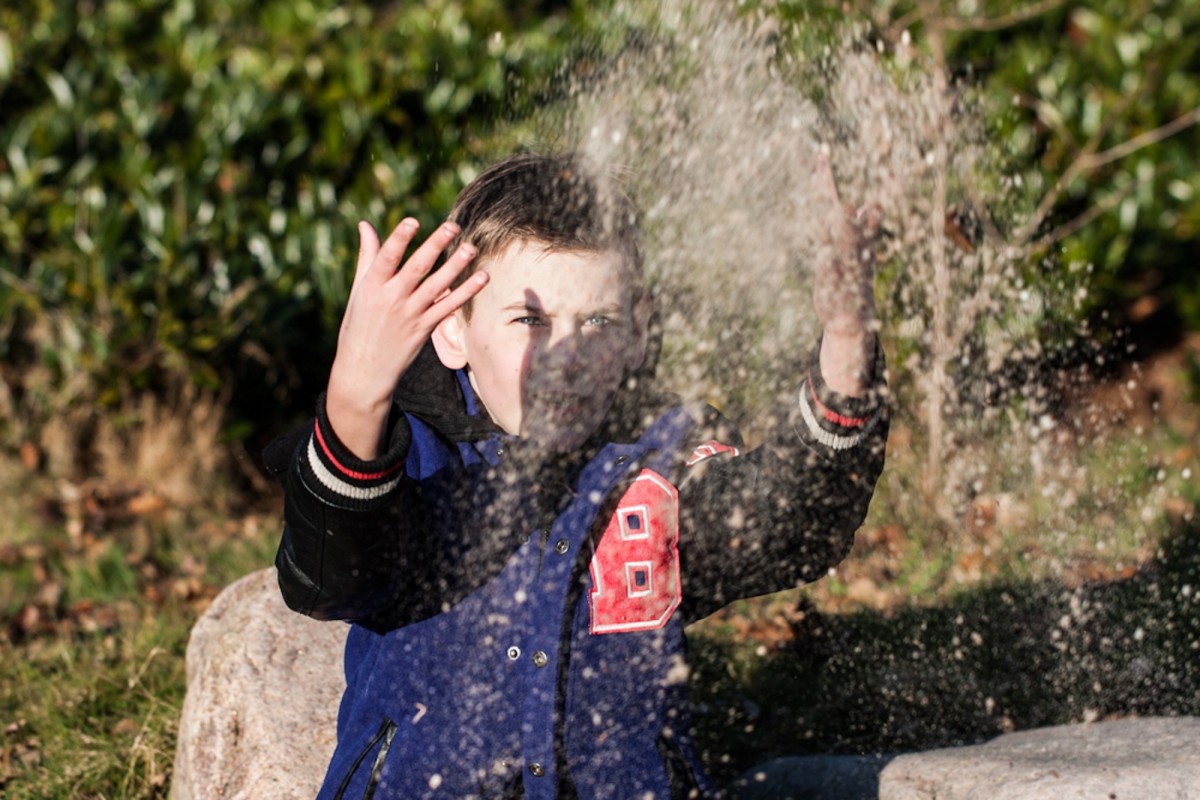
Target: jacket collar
x,y
443,399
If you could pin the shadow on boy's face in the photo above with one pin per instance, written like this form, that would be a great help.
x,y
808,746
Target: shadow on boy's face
x,y
549,340
571,371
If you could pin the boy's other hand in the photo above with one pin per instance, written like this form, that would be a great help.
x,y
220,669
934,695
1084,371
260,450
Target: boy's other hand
x,y
844,287
389,317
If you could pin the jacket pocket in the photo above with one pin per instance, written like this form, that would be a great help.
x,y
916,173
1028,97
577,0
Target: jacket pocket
x,y
381,742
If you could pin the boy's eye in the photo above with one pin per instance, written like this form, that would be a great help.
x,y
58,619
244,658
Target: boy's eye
x,y
529,320
599,321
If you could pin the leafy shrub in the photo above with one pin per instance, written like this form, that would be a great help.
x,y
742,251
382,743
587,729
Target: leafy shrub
x,y
179,184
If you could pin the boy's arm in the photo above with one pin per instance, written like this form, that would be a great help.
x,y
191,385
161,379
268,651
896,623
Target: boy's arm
x,y
348,537
346,547
787,512
844,287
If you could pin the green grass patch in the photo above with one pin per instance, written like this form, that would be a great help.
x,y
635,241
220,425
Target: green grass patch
x,y
93,630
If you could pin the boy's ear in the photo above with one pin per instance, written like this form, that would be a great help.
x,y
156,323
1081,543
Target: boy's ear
x,y
448,342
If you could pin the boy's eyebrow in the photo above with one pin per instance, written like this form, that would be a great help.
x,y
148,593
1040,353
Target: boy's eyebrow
x,y
611,309
524,305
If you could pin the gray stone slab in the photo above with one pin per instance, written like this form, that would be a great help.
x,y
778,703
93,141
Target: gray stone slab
x,y
1153,758
1133,759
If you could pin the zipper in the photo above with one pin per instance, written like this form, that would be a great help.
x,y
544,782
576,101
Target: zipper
x,y
680,777
380,758
385,734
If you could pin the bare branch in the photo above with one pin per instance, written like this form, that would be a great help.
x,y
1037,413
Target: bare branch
x,y
1143,140
1004,21
17,282
1048,115
1091,214
1090,160
897,28
1076,168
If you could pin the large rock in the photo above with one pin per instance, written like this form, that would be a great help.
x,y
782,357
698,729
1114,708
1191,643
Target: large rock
x,y
260,716
1156,757
1132,759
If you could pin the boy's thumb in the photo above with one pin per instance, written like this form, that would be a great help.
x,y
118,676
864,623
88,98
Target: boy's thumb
x,y
368,247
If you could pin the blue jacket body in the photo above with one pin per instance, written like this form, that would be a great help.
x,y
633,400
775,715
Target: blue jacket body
x,y
519,626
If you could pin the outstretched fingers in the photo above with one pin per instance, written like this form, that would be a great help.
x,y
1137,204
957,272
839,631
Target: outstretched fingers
x,y
421,262
387,258
450,301
426,293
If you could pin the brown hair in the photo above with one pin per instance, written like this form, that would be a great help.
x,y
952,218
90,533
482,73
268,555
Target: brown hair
x,y
555,201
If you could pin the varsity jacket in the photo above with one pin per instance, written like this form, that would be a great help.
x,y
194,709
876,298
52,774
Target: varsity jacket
x,y
518,627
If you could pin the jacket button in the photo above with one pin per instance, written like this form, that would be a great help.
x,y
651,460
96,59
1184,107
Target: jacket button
x,y
540,659
536,769
514,652
561,546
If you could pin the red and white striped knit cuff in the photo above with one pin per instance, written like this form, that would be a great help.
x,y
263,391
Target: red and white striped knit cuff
x,y
337,476
837,421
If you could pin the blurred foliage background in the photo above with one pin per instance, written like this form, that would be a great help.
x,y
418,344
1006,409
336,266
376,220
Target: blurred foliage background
x,y
179,186
179,181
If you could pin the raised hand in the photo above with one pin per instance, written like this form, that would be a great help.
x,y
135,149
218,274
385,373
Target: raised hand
x,y
390,315
843,287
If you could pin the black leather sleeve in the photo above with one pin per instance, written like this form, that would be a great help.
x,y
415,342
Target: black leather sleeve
x,y
345,541
786,512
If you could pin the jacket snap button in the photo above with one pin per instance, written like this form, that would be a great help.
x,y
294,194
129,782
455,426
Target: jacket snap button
x,y
536,769
540,659
561,546
514,652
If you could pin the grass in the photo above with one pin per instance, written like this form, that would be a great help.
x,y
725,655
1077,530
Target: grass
x,y
94,625
1029,608
93,714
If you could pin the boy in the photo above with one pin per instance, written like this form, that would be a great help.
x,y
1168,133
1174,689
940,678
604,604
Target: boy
x,y
519,528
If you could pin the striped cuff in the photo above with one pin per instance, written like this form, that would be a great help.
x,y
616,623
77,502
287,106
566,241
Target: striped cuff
x,y
337,476
837,421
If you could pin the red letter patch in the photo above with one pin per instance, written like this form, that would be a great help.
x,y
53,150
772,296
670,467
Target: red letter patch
x,y
635,569
708,450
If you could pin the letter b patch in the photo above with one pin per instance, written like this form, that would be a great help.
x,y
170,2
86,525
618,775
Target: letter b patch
x,y
635,569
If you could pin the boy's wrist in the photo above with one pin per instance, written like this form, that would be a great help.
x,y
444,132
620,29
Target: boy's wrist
x,y
360,424
847,357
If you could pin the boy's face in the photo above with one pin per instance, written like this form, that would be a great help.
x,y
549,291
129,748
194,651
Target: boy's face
x,y
549,341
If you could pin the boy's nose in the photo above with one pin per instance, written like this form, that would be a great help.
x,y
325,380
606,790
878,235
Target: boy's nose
x,y
565,354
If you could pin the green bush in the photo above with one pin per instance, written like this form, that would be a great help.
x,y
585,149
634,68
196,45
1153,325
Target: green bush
x,y
179,182
1086,94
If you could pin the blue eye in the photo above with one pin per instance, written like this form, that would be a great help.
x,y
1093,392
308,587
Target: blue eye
x,y
599,321
529,321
